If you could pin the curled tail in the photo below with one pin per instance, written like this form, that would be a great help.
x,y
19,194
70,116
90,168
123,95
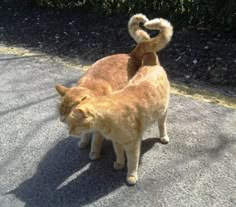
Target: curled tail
x,y
135,31
157,43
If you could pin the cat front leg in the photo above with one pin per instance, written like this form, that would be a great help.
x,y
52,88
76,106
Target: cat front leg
x,y
120,156
133,152
96,145
164,139
84,141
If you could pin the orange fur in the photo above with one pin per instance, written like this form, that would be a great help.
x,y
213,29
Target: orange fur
x,y
109,74
123,116
157,43
135,31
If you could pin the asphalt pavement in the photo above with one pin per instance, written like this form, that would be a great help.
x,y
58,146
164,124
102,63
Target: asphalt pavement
x,y
41,166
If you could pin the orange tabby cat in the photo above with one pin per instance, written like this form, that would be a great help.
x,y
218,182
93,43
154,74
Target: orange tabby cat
x,y
112,73
123,116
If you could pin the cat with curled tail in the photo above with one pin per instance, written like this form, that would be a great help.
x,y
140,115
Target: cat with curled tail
x,y
124,115
110,74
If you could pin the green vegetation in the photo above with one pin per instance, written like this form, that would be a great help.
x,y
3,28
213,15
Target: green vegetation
x,y
202,13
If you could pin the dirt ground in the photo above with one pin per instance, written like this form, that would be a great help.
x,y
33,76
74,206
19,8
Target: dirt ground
x,y
194,57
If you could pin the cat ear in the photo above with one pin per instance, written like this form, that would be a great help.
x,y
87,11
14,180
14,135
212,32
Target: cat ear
x,y
61,89
79,113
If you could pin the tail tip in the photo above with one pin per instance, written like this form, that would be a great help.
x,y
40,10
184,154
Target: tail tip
x,y
137,18
151,24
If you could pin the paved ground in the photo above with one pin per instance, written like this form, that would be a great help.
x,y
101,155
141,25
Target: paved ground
x,y
41,166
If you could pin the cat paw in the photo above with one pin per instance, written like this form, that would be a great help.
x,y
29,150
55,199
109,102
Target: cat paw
x,y
94,155
164,140
118,166
132,180
82,145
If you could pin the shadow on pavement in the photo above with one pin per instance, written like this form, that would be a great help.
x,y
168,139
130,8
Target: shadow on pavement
x,y
23,106
65,176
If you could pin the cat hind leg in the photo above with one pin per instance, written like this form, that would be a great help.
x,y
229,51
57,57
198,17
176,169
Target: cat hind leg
x,y
164,138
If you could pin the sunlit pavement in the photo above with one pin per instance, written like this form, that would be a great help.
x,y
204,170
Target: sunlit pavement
x,y
41,166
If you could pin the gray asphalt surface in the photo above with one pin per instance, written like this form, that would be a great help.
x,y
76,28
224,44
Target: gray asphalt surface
x,y
41,166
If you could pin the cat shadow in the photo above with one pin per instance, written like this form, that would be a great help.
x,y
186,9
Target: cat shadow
x,y
66,176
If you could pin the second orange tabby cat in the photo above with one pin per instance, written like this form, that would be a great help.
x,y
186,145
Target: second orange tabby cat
x,y
123,116
112,73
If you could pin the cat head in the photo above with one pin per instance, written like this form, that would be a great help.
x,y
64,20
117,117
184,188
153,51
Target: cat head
x,y
80,120
70,97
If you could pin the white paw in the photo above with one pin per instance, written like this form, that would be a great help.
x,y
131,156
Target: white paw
x,y
132,179
164,140
94,155
118,166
